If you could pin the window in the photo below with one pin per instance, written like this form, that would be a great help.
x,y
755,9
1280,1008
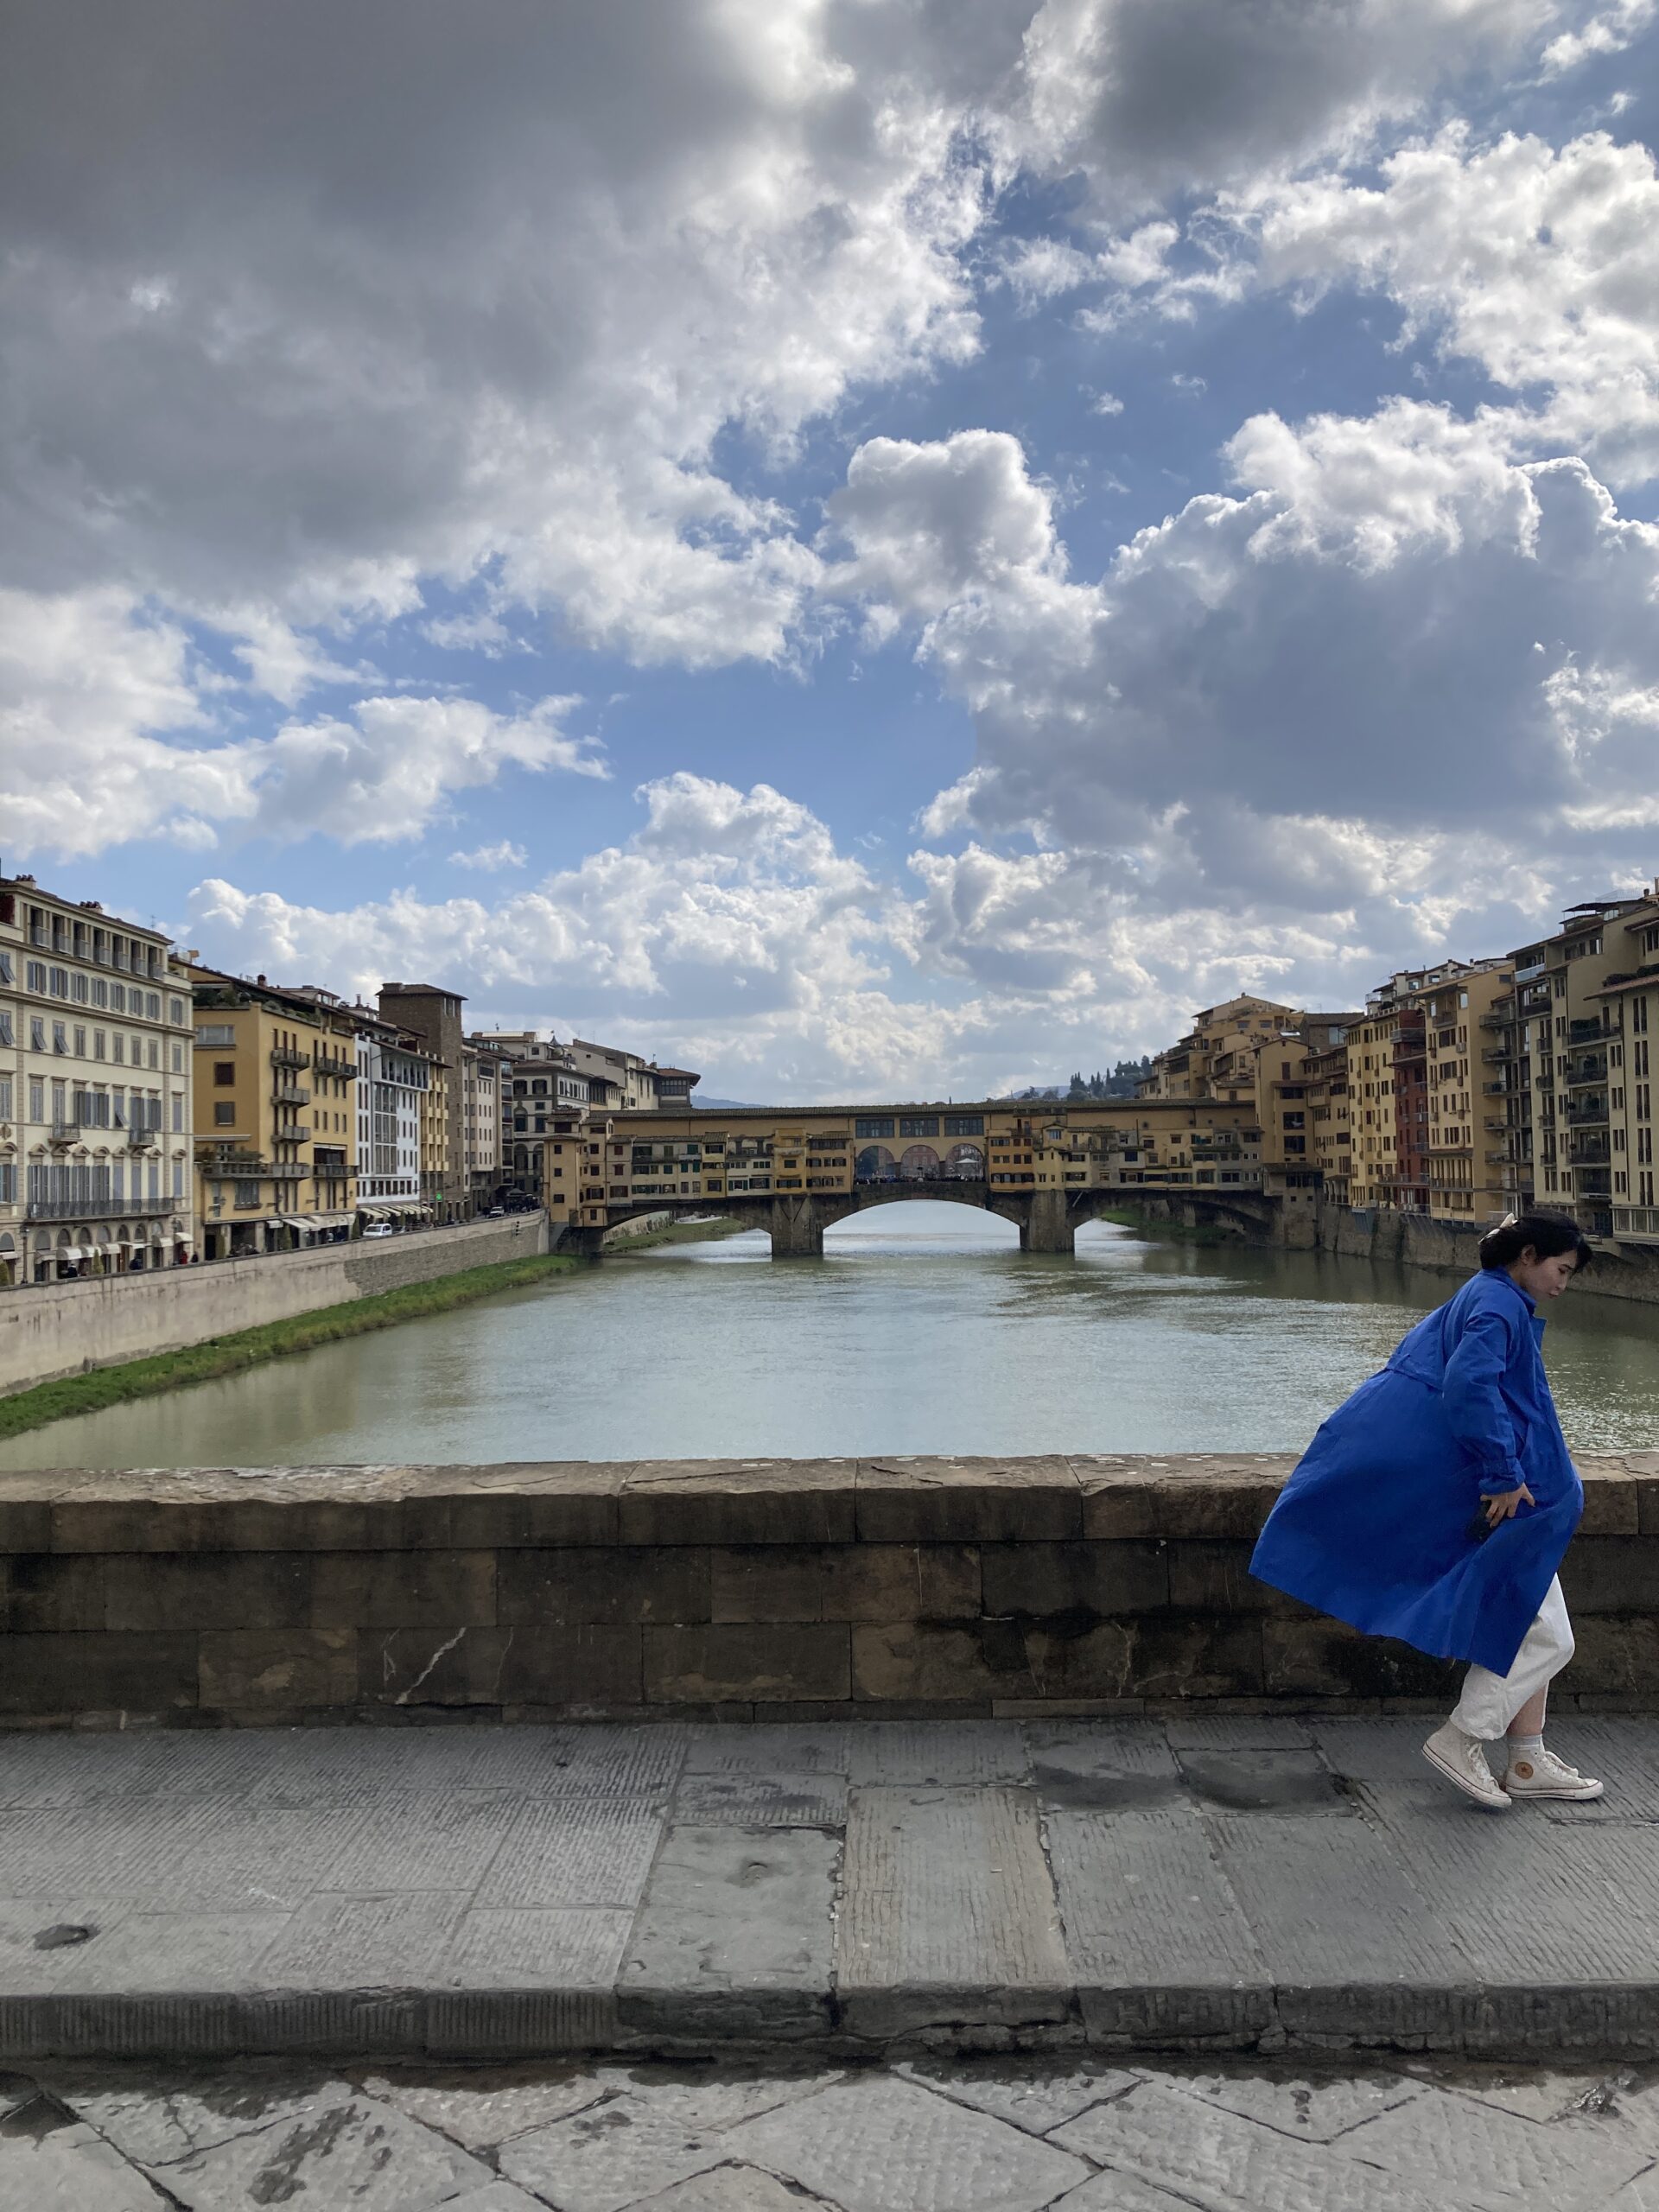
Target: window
x,y
873,1125
153,1006
34,973
215,1032
5,967
81,1042
246,1196
224,1074
919,1125
964,1125
118,997
176,1012
59,1037
5,1097
178,1113
59,982
5,1027
36,1099
78,985
118,1046
100,991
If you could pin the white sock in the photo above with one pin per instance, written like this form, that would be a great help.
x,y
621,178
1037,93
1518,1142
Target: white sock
x,y
1525,1747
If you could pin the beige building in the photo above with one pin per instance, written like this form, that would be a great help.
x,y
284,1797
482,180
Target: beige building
x,y
95,1093
1466,1158
1217,1058
434,1016
276,1075
485,1073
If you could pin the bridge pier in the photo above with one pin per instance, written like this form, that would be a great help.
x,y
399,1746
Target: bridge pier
x,y
1047,1227
796,1229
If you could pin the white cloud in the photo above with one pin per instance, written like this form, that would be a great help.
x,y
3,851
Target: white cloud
x,y
481,633
109,733
1539,263
1610,32
491,858
1106,403
1304,730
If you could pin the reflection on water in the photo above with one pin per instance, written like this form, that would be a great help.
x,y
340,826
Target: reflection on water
x,y
923,1329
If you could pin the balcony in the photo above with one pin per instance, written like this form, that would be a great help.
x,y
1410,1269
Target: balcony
x,y
249,1167
1593,1183
1588,1074
334,1064
95,1209
290,1094
1498,1089
144,1139
284,1056
290,1132
1493,1053
1587,1031
1591,1112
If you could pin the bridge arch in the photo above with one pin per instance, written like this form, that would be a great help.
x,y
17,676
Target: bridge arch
x,y
875,1164
919,1163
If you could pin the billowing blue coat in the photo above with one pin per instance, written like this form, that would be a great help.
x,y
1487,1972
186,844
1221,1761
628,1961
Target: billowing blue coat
x,y
1373,1525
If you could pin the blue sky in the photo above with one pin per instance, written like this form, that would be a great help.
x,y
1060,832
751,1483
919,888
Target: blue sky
x,y
882,545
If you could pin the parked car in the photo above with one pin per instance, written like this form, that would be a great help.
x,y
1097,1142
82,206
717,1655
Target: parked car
x,y
496,1209
378,1229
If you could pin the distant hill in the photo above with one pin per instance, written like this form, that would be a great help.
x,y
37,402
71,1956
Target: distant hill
x,y
724,1101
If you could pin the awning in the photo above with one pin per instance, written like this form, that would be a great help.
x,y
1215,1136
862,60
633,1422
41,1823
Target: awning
x,y
371,1212
299,1221
331,1220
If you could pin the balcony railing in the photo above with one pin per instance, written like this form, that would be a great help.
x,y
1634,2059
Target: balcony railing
x,y
1588,1074
1584,1032
290,1094
289,1133
145,1139
284,1056
334,1064
95,1209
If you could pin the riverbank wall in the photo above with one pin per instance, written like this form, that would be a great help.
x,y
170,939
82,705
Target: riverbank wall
x,y
1628,1271
815,1590
58,1329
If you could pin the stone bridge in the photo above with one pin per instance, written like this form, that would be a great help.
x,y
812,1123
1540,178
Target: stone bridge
x,y
1047,1220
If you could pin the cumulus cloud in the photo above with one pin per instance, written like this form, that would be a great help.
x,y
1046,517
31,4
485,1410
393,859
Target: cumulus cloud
x,y
109,733
491,858
1539,263
1301,704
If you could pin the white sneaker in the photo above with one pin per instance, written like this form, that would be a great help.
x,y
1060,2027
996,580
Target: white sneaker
x,y
1548,1776
1461,1759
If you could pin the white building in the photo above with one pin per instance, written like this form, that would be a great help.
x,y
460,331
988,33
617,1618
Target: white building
x,y
393,1076
96,1093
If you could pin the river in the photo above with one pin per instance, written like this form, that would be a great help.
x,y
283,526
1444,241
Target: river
x,y
923,1329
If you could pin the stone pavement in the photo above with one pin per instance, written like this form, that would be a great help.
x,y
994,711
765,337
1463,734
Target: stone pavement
x,y
858,1890
994,2135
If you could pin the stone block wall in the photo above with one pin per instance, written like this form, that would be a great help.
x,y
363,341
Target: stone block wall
x,y
813,1589
65,1328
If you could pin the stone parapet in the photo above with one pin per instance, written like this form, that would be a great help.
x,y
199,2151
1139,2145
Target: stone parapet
x,y
790,1589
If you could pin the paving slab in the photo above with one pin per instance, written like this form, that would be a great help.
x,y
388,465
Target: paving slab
x,y
893,2146
1135,1885
608,2156
1157,1945
581,1850
947,1913
1497,2161
1218,2160
734,1935
348,2151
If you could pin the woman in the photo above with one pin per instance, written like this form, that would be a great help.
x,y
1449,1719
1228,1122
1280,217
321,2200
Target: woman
x,y
1436,1506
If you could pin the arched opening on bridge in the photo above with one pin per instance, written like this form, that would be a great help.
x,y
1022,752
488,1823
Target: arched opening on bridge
x,y
919,1164
966,1161
875,1164
922,1225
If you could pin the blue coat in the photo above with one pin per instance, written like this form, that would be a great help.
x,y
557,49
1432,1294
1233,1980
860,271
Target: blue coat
x,y
1373,1525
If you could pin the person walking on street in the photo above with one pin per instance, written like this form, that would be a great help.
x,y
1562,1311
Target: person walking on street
x,y
1436,1506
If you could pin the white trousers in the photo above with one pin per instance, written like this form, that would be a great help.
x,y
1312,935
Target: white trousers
x,y
1490,1702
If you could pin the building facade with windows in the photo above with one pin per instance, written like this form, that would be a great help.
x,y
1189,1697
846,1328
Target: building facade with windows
x,y
434,1016
276,1075
95,1092
396,1076
486,1071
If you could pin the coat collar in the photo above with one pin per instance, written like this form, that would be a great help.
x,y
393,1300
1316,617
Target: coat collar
x,y
1502,1275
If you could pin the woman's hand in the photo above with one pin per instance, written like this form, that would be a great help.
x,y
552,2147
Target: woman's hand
x,y
1505,1506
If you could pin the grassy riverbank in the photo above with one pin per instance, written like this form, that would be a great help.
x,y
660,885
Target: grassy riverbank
x,y
220,1356
681,1232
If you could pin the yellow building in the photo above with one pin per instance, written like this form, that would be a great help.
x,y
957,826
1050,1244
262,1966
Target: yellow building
x,y
1217,1058
275,1122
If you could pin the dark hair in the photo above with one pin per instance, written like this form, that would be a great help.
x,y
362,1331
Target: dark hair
x,y
1548,1234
